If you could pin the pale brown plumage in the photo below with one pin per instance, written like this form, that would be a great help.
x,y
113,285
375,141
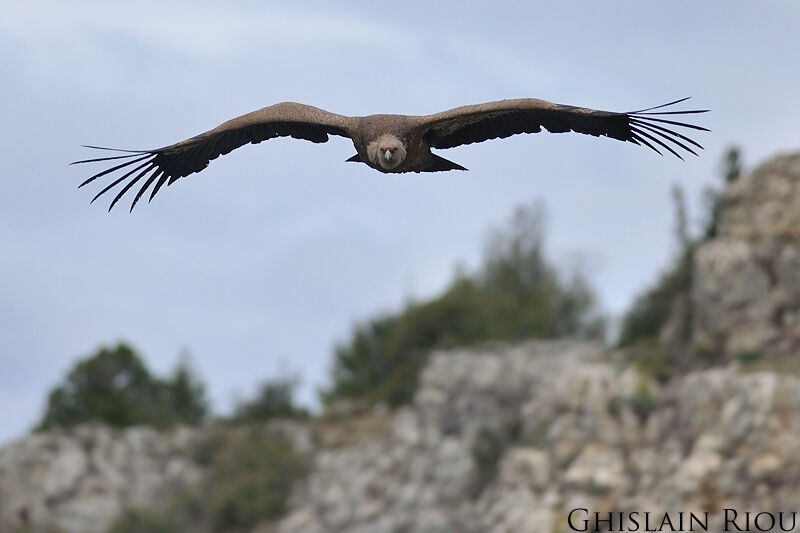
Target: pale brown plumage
x,y
391,143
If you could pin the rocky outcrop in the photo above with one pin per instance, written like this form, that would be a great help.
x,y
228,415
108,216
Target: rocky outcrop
x,y
422,473
512,439
498,439
746,283
79,481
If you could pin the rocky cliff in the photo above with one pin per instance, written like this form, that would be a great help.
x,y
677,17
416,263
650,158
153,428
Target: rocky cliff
x,y
746,284
80,480
513,438
497,439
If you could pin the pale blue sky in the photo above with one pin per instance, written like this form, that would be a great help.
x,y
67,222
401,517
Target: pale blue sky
x,y
265,259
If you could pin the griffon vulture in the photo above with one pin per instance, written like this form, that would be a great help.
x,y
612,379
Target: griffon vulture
x,y
392,143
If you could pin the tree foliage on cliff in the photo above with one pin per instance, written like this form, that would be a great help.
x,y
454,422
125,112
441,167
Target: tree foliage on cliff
x,y
273,399
115,388
516,294
652,309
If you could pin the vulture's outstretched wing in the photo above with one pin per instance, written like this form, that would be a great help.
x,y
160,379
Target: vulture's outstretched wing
x,y
165,165
477,123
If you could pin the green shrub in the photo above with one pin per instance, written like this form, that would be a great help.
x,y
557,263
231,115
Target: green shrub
x,y
651,310
749,357
135,520
251,479
487,450
643,402
115,388
185,396
250,474
273,399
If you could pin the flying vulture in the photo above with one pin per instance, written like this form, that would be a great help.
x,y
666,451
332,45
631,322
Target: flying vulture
x,y
391,143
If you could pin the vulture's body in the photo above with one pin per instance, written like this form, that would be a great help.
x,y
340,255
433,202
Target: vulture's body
x,y
391,143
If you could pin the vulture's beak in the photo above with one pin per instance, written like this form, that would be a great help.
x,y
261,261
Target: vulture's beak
x,y
388,155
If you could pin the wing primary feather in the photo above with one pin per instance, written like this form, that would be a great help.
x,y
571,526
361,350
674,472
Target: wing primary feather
x,y
106,158
160,183
666,130
660,106
112,169
116,149
688,112
143,189
641,140
674,123
666,134
118,180
128,186
660,142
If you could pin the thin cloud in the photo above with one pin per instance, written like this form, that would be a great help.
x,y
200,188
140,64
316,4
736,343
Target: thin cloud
x,y
202,31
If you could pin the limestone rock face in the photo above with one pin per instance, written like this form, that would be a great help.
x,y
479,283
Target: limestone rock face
x,y
498,439
746,283
78,481
571,430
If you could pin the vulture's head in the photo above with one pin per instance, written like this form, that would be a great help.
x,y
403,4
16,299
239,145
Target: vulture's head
x,y
387,151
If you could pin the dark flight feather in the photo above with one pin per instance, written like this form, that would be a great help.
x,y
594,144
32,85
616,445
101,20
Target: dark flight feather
x,y
484,122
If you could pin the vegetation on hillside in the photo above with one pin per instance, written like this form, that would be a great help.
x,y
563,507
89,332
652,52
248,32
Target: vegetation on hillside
x,y
651,309
115,388
250,473
515,294
273,399
250,470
